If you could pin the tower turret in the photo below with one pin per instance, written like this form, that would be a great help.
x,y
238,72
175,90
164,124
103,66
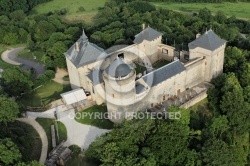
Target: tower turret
x,y
119,79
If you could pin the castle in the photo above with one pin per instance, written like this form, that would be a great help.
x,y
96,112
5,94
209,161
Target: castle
x,y
139,76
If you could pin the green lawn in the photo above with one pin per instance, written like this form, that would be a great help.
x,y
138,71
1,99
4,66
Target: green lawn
x,y
139,68
89,119
66,78
238,9
73,8
45,94
46,124
200,106
33,56
160,64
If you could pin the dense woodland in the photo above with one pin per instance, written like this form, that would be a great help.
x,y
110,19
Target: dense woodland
x,y
8,6
217,136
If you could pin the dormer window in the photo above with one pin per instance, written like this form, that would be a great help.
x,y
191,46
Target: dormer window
x,y
121,55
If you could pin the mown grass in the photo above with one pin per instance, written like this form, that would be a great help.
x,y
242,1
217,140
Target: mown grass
x,y
160,64
45,94
89,118
200,106
73,7
238,9
46,124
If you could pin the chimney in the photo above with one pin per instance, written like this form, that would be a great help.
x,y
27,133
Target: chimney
x,y
143,26
77,46
198,35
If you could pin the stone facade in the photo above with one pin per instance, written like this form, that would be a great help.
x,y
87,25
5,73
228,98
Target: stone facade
x,y
127,91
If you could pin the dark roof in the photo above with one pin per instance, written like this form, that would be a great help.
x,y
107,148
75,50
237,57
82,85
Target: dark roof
x,y
115,48
148,34
88,52
164,73
118,68
95,76
209,40
139,88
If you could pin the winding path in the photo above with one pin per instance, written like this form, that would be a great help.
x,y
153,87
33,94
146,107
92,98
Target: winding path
x,y
42,135
10,56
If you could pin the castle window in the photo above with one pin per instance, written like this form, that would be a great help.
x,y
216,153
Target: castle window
x,y
113,95
186,57
164,51
121,55
152,105
164,98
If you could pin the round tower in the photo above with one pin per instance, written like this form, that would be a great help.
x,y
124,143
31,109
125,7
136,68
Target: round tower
x,y
119,79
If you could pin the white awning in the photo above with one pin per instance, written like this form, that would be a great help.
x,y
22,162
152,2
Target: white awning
x,y
73,96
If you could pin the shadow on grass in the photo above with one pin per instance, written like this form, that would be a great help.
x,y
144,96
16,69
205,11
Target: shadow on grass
x,y
89,118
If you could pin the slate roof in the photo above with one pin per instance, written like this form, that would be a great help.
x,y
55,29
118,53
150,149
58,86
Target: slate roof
x,y
209,40
95,76
164,73
88,52
148,34
139,88
115,48
118,68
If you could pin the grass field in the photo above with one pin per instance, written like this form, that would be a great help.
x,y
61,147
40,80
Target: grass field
x,y
74,8
238,9
45,94
46,124
98,122
160,63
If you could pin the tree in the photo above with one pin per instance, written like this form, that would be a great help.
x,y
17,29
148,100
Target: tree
x,y
145,141
10,38
205,14
233,105
216,152
15,81
243,74
56,54
9,110
220,17
32,163
9,153
50,74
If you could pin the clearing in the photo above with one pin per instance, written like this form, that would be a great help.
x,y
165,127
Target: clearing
x,y
44,95
77,10
238,9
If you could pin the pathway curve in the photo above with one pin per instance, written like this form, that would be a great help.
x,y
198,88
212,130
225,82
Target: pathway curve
x,y
10,56
77,133
42,135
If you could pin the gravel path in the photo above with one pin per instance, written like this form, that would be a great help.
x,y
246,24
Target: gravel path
x,y
10,56
60,73
77,133
42,135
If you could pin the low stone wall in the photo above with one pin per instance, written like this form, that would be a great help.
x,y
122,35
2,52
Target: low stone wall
x,y
195,100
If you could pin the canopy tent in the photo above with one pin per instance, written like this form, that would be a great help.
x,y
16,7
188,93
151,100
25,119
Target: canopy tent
x,y
73,96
